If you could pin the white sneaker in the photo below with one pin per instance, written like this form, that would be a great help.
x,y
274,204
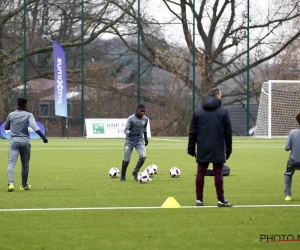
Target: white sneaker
x,y
199,203
224,204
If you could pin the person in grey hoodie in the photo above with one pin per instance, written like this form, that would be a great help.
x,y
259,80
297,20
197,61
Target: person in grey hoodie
x,y
293,163
136,133
17,122
210,129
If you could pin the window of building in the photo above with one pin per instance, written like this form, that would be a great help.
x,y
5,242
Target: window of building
x,y
45,109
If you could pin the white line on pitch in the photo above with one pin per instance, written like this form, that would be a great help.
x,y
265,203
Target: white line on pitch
x,y
128,208
168,140
167,147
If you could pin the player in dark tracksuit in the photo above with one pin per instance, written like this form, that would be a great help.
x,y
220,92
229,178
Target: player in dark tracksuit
x,y
17,122
136,133
210,130
292,144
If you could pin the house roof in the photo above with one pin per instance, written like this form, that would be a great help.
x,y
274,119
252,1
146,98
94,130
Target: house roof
x,y
45,88
37,85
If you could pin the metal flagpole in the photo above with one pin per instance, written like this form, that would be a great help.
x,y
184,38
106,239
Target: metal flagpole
x,y
248,64
25,49
139,54
194,61
82,69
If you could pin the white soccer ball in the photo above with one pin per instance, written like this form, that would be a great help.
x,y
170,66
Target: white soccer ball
x,y
155,168
150,171
175,172
143,177
114,172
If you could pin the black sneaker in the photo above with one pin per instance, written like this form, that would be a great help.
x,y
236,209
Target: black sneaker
x,y
224,204
199,203
122,178
135,176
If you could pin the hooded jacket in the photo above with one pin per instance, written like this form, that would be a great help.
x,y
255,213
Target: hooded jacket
x,y
210,129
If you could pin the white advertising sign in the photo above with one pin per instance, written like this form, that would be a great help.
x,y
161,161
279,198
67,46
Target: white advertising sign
x,y
108,128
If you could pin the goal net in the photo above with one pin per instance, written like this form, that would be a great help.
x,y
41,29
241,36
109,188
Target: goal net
x,y
279,103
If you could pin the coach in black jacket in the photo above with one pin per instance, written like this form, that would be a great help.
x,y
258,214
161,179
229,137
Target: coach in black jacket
x,y
210,129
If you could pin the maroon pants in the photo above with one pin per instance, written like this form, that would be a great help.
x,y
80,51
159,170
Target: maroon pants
x,y
202,168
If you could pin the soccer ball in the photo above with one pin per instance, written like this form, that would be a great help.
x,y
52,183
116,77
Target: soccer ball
x,y
150,171
155,168
175,172
114,172
143,177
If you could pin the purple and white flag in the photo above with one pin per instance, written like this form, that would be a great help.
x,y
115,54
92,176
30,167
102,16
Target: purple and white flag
x,y
60,83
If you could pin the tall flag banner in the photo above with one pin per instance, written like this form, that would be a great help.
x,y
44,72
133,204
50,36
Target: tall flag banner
x,y
60,83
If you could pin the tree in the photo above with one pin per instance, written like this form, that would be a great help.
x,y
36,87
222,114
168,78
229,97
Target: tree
x,y
61,20
221,45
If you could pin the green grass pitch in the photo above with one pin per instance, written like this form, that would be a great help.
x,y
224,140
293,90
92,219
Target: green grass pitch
x,y
74,204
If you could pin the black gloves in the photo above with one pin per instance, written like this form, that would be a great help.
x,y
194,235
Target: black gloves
x,y
45,140
192,145
228,153
192,153
145,138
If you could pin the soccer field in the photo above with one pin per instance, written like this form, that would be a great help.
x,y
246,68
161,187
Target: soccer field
x,y
74,204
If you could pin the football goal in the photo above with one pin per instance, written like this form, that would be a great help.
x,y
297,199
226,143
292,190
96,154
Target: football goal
x,y
278,105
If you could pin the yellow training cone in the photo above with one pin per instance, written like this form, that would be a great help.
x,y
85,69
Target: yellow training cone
x,y
170,203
